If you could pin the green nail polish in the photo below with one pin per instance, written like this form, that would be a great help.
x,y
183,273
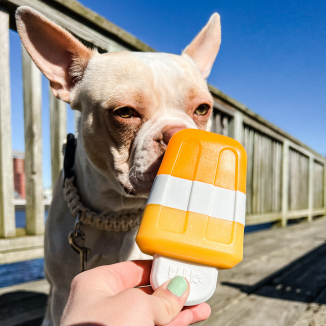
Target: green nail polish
x,y
178,286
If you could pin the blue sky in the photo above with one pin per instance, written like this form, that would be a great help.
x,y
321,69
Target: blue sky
x,y
272,58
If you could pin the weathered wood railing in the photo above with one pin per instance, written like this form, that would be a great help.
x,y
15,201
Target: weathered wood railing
x,y
286,179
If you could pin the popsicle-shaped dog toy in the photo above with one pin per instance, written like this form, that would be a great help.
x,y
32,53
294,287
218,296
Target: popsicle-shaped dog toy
x,y
194,219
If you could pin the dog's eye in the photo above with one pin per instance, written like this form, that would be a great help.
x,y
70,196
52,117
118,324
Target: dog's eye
x,y
126,112
202,109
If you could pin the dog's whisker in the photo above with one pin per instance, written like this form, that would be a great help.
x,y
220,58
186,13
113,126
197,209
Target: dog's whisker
x,y
100,179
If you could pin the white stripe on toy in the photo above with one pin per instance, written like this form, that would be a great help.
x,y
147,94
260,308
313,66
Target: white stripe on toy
x,y
198,197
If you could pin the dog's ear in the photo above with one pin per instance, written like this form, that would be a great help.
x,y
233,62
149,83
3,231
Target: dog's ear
x,y
204,48
59,55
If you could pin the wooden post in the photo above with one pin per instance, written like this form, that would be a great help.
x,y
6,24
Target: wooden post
x,y
217,123
324,175
238,127
58,126
225,126
285,181
7,209
77,116
311,188
33,145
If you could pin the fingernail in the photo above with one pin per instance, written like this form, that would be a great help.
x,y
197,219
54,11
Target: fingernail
x,y
178,286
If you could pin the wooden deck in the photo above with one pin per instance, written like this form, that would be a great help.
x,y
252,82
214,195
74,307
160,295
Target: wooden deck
x,y
280,282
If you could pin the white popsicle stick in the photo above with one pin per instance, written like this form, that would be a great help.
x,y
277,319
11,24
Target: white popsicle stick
x,y
202,279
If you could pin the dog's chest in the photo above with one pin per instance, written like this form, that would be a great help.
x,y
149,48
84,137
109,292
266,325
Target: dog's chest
x,y
111,247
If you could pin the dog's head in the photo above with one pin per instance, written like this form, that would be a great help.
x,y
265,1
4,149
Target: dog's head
x,y
131,103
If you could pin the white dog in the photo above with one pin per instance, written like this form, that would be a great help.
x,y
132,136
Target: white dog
x,y
131,104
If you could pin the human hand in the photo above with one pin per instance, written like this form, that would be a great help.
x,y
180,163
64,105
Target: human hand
x,y
106,295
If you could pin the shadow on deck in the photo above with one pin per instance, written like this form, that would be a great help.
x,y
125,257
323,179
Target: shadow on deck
x,y
301,281
281,282
22,308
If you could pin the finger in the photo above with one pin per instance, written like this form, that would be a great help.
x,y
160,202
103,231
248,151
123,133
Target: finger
x,y
134,273
200,312
184,318
146,289
168,300
119,277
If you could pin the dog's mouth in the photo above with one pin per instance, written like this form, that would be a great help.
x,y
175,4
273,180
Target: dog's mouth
x,y
128,191
140,183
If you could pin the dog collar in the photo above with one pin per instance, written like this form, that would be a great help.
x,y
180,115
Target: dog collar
x,y
110,222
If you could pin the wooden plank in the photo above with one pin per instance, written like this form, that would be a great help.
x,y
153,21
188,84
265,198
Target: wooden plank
x,y
22,308
21,243
266,255
21,255
23,304
103,23
277,216
311,188
304,213
7,212
280,160
274,238
75,27
284,297
318,186
263,218
225,126
261,122
92,21
259,172
324,187
255,177
266,175
261,128
251,160
270,174
238,127
77,118
33,145
58,128
285,181
40,286
221,108
315,314
217,123
248,144
20,249
247,289
20,205
276,173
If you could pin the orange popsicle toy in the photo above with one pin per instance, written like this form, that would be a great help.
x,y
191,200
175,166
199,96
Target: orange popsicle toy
x,y
194,219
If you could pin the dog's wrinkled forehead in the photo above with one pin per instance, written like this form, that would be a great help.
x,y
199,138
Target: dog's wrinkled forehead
x,y
169,67
166,79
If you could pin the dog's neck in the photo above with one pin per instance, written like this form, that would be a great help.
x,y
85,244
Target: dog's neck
x,y
100,191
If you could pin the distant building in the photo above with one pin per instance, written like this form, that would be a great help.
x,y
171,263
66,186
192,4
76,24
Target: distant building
x,y
19,174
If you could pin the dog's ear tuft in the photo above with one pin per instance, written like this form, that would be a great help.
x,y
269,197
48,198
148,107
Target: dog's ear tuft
x,y
204,48
60,56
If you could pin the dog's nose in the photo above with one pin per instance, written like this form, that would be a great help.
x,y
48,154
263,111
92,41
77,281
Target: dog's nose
x,y
169,131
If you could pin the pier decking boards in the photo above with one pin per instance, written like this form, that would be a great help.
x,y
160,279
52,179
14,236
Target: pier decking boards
x,y
281,282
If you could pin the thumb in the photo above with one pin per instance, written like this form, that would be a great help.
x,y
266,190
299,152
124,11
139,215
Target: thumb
x,y
168,300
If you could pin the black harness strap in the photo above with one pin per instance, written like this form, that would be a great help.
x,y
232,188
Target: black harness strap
x,y
69,158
